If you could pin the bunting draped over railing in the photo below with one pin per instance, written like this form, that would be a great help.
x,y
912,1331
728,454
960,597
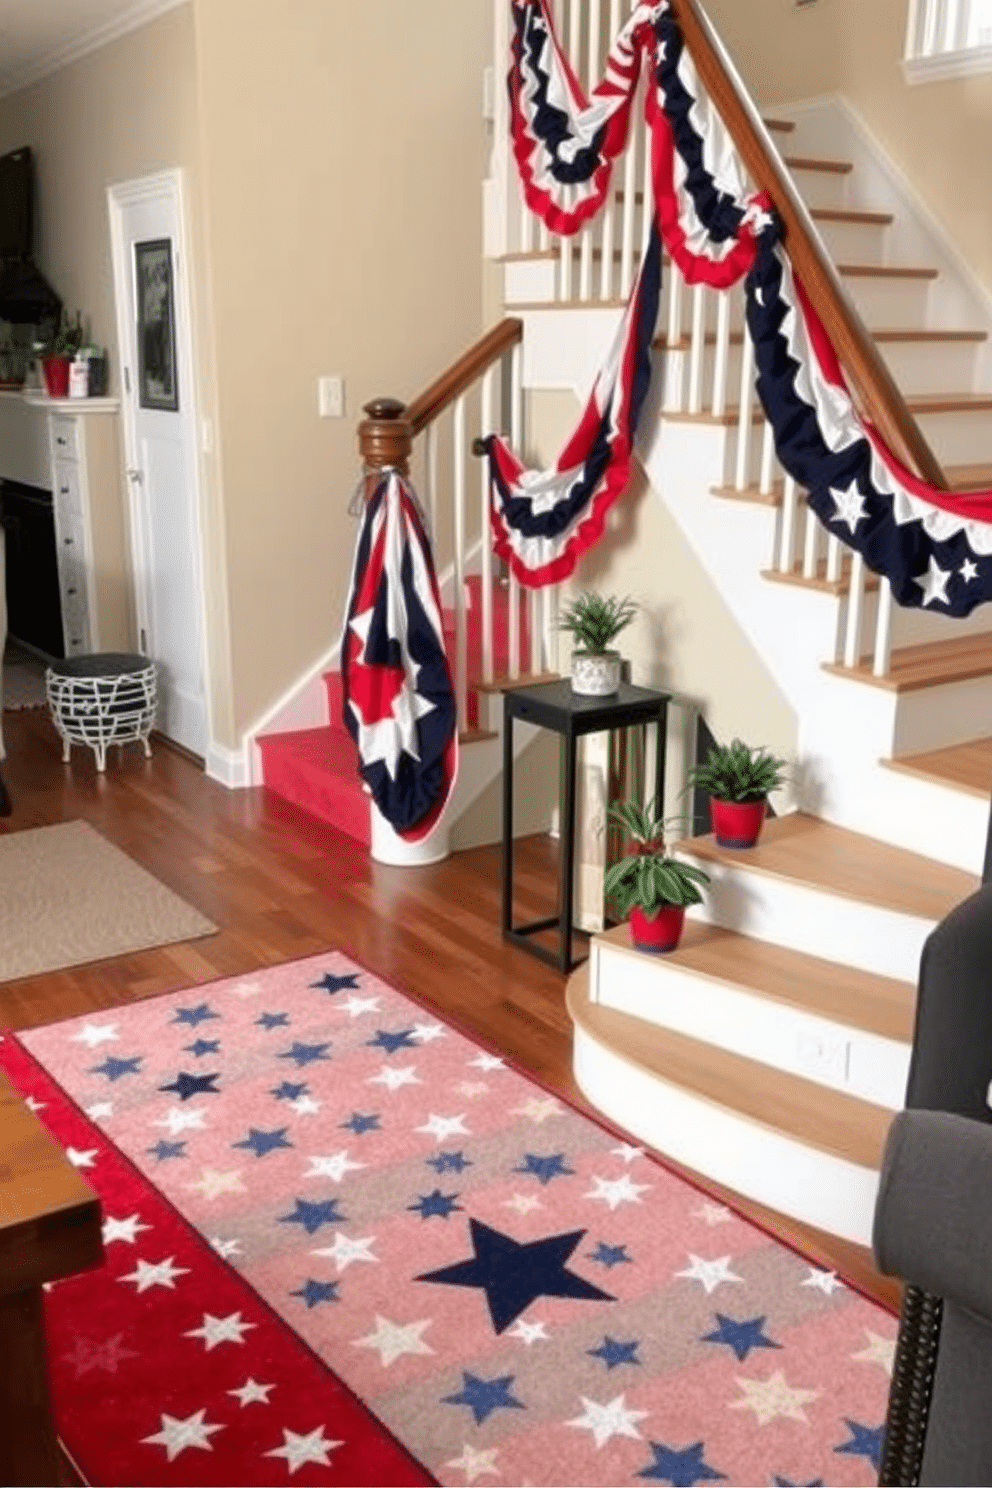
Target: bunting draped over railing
x,y
934,547
399,703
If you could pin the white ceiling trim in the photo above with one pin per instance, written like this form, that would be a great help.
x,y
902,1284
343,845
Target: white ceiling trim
x,y
136,15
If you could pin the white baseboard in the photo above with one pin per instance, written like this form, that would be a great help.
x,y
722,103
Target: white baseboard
x,y
228,766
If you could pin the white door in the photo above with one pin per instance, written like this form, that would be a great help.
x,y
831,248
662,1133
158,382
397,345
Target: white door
x,y
160,423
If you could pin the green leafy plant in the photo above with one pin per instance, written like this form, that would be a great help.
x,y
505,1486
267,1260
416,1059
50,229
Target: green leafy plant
x,y
595,620
648,876
737,772
65,337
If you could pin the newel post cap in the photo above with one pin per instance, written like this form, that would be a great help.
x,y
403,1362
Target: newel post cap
x,y
385,437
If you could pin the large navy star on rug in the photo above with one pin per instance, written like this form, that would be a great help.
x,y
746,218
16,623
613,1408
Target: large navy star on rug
x,y
680,1466
331,983
512,1274
186,1085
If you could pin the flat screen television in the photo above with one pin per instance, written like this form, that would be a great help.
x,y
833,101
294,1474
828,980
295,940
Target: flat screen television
x,y
16,203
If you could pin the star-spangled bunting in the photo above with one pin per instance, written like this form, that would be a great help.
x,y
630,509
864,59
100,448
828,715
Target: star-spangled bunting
x,y
398,696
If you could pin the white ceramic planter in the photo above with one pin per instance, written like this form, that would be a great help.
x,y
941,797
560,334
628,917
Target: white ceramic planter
x,y
596,673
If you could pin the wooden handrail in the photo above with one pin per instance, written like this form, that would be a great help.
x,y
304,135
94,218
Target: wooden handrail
x,y
461,374
869,376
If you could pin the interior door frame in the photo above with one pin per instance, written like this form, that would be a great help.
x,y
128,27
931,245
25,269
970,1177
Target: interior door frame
x,y
168,184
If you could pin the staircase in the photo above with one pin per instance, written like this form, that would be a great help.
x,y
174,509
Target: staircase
x,y
769,1050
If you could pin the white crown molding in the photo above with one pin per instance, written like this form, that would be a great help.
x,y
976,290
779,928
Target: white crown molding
x,y
942,66
140,13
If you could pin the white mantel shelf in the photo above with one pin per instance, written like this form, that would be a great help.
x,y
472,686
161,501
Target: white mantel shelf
x,y
68,405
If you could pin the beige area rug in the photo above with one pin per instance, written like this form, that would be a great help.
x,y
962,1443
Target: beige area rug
x,y
23,680
67,896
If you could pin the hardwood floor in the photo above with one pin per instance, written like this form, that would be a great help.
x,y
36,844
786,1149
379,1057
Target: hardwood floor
x,y
280,886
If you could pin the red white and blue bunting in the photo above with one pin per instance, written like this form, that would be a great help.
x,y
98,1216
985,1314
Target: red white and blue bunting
x,y
934,547
399,702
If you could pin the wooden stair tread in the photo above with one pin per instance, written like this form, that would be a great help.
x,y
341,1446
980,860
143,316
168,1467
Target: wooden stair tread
x,y
782,126
967,766
923,333
851,214
816,853
503,681
815,1116
819,580
976,477
843,994
915,402
886,271
815,163
927,664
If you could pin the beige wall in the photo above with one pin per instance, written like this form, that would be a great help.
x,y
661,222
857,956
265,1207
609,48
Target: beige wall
x,y
343,170
936,133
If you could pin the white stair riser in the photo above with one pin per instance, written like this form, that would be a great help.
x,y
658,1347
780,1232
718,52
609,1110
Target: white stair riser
x,y
821,188
911,625
804,918
935,717
853,242
810,1185
727,1015
528,279
931,366
889,302
964,437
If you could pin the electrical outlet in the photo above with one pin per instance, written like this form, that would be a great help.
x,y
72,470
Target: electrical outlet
x,y
330,397
822,1057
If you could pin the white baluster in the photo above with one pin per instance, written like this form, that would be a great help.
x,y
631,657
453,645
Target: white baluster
x,y
697,348
744,415
675,355
787,533
486,531
835,558
855,600
564,268
811,544
460,456
883,630
767,459
629,203
721,354
534,608
609,209
430,475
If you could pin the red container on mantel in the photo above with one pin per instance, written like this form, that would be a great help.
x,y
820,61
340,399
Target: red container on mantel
x,y
56,370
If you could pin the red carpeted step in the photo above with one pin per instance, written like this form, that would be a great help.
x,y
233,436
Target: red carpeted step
x,y
316,769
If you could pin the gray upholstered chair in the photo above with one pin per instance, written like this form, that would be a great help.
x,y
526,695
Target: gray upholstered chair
x,y
933,1220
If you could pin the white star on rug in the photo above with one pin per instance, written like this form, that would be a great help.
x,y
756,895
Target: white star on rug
x,y
100,1110
304,1106
333,1167
628,1153
968,571
474,1463
934,583
226,1248
426,1033
176,1121
93,1034
251,1393
394,1076
344,1251
827,1282
247,989
123,1229
356,1006
393,1339
850,505
710,1273
610,1419
617,1191
220,1330
79,1159
297,1449
528,1333
538,1108
485,1061
443,1127
713,1214
213,1184
176,1435
773,1397
163,1273
472,1088
878,1350
523,1203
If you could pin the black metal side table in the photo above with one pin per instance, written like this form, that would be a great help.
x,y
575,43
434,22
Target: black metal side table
x,y
553,705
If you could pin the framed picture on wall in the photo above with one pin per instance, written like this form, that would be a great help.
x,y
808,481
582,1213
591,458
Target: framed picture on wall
x,y
158,385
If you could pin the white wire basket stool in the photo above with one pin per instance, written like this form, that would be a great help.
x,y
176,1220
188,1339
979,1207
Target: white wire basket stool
x,y
103,698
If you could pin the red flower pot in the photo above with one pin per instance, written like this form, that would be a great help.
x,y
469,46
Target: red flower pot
x,y
660,933
56,370
737,823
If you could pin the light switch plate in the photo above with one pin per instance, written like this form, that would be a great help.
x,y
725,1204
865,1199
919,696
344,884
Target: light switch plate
x,y
330,397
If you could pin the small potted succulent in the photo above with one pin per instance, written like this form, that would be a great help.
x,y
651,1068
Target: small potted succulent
x,y
738,780
649,888
594,621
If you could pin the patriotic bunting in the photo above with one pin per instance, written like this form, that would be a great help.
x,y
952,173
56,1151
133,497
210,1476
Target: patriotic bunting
x,y
399,704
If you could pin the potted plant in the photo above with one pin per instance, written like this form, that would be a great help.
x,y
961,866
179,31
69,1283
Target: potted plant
x,y
594,621
739,780
58,350
649,888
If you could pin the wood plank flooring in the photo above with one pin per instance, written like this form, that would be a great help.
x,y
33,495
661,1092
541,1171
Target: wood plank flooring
x,y
281,886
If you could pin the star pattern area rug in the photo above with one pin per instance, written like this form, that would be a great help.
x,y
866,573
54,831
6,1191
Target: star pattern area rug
x,y
346,1244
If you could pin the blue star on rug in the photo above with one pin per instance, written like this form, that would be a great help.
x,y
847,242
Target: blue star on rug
x,y
186,1085
303,1054
116,1069
203,1046
314,1292
613,1352
402,1039
435,1205
261,1142
288,1091
448,1162
544,1168
195,1015
163,1150
609,1255
512,1274
866,1441
331,983
788,1483
312,1216
360,1124
272,1020
680,1466
483,1396
741,1335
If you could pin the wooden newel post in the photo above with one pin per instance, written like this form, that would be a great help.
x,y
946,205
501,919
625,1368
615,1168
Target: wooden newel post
x,y
385,437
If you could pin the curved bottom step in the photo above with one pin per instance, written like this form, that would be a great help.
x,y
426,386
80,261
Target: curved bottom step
x,y
769,1164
